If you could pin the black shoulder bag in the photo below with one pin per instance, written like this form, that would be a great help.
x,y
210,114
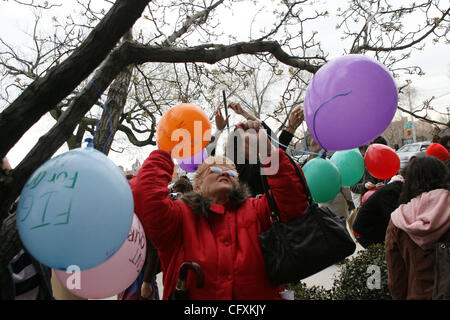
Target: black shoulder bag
x,y
299,248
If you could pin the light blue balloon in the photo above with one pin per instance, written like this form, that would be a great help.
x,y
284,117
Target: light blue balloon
x,y
76,209
350,164
323,178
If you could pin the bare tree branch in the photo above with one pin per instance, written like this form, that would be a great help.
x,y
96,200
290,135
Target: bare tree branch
x,y
44,93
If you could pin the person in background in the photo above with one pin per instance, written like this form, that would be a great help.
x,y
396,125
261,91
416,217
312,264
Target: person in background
x,y
342,204
422,219
217,225
25,278
249,173
435,139
374,215
437,150
368,182
445,141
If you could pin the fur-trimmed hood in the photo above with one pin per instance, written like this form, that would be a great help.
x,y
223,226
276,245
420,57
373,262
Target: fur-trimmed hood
x,y
201,205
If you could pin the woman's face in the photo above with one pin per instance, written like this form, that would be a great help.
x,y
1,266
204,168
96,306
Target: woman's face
x,y
217,183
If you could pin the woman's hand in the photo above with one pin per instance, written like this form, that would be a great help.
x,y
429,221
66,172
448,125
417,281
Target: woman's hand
x,y
221,122
147,290
295,120
250,124
379,185
236,107
255,137
369,185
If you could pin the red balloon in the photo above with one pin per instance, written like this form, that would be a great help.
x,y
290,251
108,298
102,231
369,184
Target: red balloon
x,y
381,161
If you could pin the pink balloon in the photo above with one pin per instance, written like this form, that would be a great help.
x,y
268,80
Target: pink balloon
x,y
115,274
367,195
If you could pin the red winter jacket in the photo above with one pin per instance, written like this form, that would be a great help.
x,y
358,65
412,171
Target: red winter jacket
x,y
226,244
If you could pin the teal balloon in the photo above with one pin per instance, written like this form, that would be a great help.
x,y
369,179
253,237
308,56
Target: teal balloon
x,y
323,178
350,164
75,209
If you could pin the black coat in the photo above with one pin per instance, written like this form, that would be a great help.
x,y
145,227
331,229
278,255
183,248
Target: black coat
x,y
374,215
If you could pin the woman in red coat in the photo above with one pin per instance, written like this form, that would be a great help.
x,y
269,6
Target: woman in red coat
x,y
217,225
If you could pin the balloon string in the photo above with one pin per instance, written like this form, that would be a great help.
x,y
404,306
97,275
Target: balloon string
x,y
315,114
268,135
109,116
293,149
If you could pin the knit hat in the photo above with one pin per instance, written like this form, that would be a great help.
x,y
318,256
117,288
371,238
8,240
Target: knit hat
x,y
439,151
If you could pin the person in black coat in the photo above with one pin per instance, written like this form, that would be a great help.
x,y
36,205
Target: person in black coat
x,y
249,173
374,215
368,182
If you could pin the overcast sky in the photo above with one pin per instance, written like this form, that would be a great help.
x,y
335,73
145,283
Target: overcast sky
x,y
434,60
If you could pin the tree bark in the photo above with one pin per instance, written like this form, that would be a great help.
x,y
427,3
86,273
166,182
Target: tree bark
x,y
115,103
10,243
113,108
45,93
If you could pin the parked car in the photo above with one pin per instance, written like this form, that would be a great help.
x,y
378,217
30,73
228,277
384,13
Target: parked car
x,y
412,150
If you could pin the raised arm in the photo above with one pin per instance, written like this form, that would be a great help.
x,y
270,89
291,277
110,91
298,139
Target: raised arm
x,y
158,213
296,118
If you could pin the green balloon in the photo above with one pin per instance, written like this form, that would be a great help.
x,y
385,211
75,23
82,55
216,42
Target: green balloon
x,y
323,178
350,164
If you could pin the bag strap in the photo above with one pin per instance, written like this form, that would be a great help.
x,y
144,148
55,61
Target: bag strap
x,y
274,215
303,181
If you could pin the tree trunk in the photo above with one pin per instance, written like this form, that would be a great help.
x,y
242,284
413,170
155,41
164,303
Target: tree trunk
x,y
115,103
10,243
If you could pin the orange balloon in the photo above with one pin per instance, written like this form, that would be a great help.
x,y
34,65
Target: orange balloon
x,y
184,129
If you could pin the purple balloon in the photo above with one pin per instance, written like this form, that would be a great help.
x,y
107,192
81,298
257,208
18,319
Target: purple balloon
x,y
350,101
191,164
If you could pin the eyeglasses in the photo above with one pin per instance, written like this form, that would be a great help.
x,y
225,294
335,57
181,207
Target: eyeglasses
x,y
232,173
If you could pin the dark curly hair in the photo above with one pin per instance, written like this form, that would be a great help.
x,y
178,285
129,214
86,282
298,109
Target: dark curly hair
x,y
182,185
422,175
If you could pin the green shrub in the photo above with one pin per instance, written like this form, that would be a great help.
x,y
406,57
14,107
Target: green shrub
x,y
303,292
363,277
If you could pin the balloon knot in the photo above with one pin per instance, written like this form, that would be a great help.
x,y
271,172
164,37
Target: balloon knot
x,y
324,155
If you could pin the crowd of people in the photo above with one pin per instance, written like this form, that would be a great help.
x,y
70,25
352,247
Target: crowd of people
x,y
214,219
